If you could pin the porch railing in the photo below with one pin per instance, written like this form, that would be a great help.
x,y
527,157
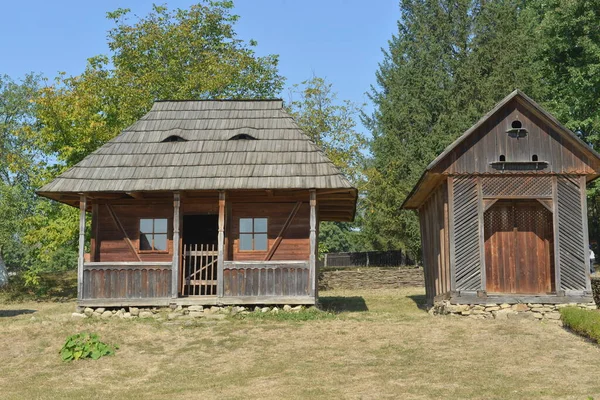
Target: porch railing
x,y
266,278
126,280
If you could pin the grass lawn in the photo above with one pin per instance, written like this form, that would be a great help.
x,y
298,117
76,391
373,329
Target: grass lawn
x,y
378,345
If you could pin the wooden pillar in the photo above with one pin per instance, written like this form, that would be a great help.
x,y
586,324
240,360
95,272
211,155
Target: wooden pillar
x,y
221,242
313,240
175,264
82,207
95,239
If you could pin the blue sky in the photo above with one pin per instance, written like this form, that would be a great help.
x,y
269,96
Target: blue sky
x,y
340,40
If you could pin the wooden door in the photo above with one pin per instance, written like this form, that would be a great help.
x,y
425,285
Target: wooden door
x,y
518,248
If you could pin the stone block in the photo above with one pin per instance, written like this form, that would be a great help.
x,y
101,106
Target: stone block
x,y
504,305
197,314
552,315
519,307
492,308
134,311
77,315
287,308
88,311
100,310
144,314
195,308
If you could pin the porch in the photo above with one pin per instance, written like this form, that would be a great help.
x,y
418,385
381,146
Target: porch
x,y
189,267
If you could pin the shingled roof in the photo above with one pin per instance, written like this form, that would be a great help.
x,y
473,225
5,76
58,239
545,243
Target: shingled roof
x,y
204,145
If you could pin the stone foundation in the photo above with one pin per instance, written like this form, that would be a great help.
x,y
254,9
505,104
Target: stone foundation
x,y
180,312
542,312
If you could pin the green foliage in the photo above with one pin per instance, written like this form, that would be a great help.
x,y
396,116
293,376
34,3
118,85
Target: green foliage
x,y
331,124
85,345
176,55
181,54
583,322
449,63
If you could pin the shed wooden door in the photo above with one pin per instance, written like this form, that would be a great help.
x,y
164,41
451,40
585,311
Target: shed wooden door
x,y
518,248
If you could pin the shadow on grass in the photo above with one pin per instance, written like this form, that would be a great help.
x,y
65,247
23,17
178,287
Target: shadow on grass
x,y
420,300
338,304
14,313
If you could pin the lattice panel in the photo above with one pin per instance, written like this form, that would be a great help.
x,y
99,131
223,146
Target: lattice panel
x,y
517,186
572,251
466,235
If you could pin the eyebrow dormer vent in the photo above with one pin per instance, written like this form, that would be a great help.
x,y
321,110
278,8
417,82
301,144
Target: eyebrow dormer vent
x,y
242,136
174,138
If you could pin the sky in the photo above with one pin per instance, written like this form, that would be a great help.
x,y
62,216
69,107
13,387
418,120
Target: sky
x,y
340,40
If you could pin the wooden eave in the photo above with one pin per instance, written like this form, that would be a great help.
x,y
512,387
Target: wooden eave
x,y
431,177
334,204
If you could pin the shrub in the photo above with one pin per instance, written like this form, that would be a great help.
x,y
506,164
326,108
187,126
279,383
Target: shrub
x,y
85,345
596,289
583,322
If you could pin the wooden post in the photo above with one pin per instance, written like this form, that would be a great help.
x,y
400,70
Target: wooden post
x,y
82,207
175,264
221,242
313,240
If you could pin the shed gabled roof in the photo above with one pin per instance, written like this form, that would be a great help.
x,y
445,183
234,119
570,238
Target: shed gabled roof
x,y
429,179
201,152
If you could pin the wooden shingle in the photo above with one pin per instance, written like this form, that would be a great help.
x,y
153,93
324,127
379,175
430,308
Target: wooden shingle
x,y
280,157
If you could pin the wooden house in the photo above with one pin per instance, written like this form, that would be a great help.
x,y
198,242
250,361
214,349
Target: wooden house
x,y
503,211
204,202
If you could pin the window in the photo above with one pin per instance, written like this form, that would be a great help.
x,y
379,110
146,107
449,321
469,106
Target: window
x,y
253,234
534,157
153,234
516,124
502,157
243,136
174,138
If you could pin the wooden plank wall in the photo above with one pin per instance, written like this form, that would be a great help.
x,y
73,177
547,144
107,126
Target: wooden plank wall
x,y
435,243
491,140
126,282
573,254
110,241
274,279
467,251
295,244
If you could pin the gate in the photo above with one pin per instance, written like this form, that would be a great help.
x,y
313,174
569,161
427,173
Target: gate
x,y
199,270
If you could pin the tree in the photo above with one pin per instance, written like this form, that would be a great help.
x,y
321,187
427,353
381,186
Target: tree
x,y
175,55
331,124
446,67
180,54
20,166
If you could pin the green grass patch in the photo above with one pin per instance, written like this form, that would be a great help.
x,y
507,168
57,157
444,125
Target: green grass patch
x,y
306,314
583,322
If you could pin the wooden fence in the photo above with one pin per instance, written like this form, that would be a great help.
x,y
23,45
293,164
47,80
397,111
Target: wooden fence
x,y
391,258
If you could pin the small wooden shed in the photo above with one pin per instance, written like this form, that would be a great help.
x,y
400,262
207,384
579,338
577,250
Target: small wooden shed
x,y
204,202
503,211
